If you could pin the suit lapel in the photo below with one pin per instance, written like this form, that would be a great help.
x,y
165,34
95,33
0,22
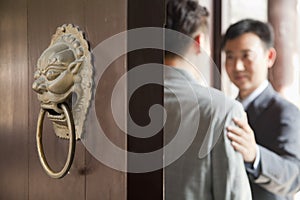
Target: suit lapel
x,y
251,114
259,104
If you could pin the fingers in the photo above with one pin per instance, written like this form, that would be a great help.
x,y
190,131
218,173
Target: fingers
x,y
248,155
242,139
242,124
236,130
244,145
242,134
237,139
239,148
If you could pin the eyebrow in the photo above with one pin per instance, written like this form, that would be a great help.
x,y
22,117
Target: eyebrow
x,y
242,51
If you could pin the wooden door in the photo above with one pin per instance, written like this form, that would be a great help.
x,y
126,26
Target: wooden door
x,y
26,27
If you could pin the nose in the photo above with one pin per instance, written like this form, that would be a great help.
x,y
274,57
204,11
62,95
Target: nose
x,y
239,65
39,86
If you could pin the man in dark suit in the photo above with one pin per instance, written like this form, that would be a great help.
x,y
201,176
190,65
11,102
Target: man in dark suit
x,y
270,144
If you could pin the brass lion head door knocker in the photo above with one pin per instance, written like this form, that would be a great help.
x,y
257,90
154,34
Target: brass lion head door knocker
x,y
63,82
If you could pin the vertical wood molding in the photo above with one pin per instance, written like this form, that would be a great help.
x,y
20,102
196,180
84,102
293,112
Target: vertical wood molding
x,y
146,186
217,39
105,19
283,16
14,100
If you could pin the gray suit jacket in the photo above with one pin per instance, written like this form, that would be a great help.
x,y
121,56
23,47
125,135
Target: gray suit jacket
x,y
276,124
208,168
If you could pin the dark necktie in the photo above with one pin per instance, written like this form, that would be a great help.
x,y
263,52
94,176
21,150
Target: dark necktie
x,y
251,114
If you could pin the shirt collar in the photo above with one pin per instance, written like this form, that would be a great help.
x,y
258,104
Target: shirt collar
x,y
246,102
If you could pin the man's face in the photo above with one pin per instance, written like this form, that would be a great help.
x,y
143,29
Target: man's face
x,y
247,62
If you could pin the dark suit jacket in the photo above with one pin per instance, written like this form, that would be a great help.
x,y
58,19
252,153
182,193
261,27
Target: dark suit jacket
x,y
276,124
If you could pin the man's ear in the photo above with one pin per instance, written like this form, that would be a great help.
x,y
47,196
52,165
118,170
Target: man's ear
x,y
271,57
197,43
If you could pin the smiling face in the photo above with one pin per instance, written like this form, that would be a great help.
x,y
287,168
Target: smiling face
x,y
54,78
247,62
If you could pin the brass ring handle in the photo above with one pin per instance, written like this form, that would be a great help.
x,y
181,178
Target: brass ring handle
x,y
72,143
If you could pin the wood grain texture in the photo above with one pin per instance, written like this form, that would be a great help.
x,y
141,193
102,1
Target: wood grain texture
x,y
43,19
104,19
284,18
14,100
26,29
146,186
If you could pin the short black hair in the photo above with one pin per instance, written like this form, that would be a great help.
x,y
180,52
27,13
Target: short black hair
x,y
263,30
187,17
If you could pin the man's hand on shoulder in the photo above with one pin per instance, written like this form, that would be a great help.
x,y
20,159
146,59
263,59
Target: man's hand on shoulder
x,y
243,139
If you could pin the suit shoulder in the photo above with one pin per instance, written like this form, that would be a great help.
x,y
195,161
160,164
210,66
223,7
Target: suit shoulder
x,y
285,105
219,99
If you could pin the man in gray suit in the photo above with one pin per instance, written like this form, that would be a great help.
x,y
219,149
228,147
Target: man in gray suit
x,y
270,145
206,167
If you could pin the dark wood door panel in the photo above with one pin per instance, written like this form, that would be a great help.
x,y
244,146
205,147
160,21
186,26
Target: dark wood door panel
x,y
146,186
104,19
88,178
43,18
14,101
26,28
